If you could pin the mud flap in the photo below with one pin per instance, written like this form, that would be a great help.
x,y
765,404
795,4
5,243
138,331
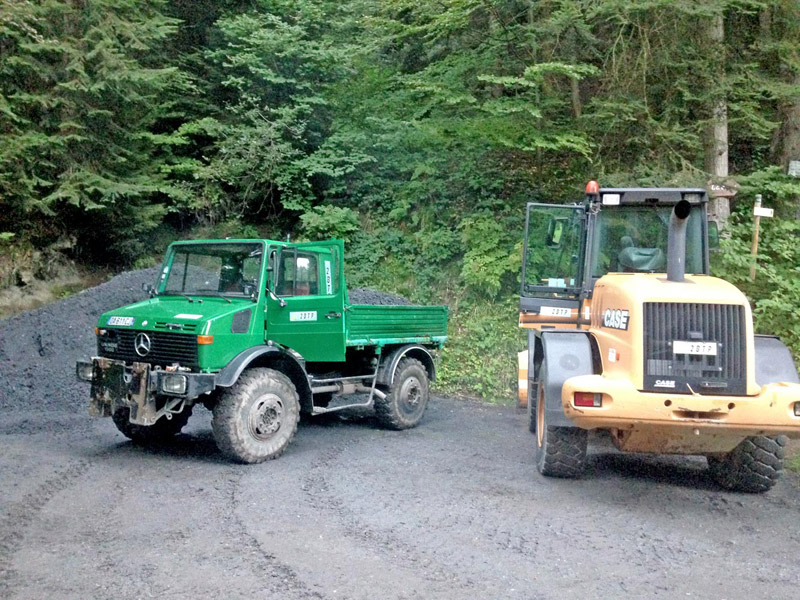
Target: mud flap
x,y
566,354
114,387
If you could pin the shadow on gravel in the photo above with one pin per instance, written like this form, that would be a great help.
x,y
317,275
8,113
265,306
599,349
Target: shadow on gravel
x,y
350,418
677,471
196,447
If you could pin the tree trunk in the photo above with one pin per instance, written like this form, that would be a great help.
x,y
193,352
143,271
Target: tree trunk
x,y
717,135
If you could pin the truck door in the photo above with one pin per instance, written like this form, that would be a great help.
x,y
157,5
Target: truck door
x,y
553,267
305,310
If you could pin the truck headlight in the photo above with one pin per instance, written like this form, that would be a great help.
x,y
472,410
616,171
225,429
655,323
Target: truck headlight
x,y
797,409
173,384
84,371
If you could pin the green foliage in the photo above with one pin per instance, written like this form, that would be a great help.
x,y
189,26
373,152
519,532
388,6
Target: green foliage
x,y
330,222
480,358
415,131
82,93
793,464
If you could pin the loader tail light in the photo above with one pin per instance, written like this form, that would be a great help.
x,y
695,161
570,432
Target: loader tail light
x,y
588,399
205,340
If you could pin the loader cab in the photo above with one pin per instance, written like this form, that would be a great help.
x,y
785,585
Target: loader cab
x,y
615,230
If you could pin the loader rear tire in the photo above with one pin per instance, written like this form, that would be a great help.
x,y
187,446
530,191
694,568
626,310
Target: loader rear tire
x,y
754,466
532,407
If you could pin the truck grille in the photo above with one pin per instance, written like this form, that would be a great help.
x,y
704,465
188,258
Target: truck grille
x,y
721,324
166,348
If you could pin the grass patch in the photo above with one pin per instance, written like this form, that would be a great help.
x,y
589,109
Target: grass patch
x,y
793,464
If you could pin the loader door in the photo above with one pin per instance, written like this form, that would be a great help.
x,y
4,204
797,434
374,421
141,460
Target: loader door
x,y
553,266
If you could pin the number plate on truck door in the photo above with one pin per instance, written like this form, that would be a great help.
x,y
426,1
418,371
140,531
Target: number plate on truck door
x,y
695,348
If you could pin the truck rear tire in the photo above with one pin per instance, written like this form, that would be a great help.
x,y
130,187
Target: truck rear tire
x,y
164,429
560,451
407,397
256,418
753,466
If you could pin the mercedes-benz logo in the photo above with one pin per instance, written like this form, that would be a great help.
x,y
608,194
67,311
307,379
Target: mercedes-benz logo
x,y
142,344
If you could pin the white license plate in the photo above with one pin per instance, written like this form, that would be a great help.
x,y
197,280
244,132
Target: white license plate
x,y
121,321
695,348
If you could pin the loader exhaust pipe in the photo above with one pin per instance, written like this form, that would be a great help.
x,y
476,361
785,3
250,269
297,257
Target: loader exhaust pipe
x,y
676,241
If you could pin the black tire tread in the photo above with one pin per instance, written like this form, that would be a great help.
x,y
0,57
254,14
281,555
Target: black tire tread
x,y
754,466
386,408
227,413
532,399
563,452
161,431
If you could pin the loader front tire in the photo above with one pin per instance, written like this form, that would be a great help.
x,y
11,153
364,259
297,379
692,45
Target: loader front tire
x,y
754,466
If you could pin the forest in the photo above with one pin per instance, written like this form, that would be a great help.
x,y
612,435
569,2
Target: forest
x,y
415,131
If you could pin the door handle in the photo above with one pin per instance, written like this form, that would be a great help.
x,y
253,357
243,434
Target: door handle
x,y
333,315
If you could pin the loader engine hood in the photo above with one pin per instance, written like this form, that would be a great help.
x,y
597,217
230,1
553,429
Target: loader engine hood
x,y
692,336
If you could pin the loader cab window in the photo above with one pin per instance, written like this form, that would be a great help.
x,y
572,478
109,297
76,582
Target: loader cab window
x,y
554,248
633,239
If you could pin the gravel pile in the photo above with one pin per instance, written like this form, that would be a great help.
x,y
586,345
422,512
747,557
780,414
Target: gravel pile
x,y
367,296
38,349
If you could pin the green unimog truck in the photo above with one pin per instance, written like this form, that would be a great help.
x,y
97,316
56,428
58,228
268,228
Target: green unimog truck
x,y
258,331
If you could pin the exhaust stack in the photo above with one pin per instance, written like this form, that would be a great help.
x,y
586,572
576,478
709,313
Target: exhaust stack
x,y
676,241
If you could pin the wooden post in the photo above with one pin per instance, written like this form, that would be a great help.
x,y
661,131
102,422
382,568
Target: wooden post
x,y
754,250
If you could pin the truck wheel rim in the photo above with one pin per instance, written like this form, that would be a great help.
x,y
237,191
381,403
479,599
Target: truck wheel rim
x,y
266,415
410,395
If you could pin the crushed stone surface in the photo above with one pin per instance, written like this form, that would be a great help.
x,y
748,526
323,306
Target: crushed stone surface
x,y
452,509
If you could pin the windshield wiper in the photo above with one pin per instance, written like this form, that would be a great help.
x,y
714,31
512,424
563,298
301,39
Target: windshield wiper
x,y
216,294
189,298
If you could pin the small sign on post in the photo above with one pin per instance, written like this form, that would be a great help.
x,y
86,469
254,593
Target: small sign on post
x,y
758,212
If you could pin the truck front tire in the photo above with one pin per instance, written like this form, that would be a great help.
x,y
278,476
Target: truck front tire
x,y
753,466
407,397
256,418
161,431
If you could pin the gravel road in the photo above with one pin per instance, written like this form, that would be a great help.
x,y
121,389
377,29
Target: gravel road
x,y
451,509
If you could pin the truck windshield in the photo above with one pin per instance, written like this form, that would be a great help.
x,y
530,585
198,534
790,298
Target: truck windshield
x,y
634,239
229,269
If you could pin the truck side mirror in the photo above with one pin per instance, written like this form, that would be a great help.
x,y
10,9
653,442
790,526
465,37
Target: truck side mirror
x,y
555,231
713,236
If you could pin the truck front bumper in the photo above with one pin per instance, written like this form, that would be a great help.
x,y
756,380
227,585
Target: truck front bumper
x,y
682,423
148,393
